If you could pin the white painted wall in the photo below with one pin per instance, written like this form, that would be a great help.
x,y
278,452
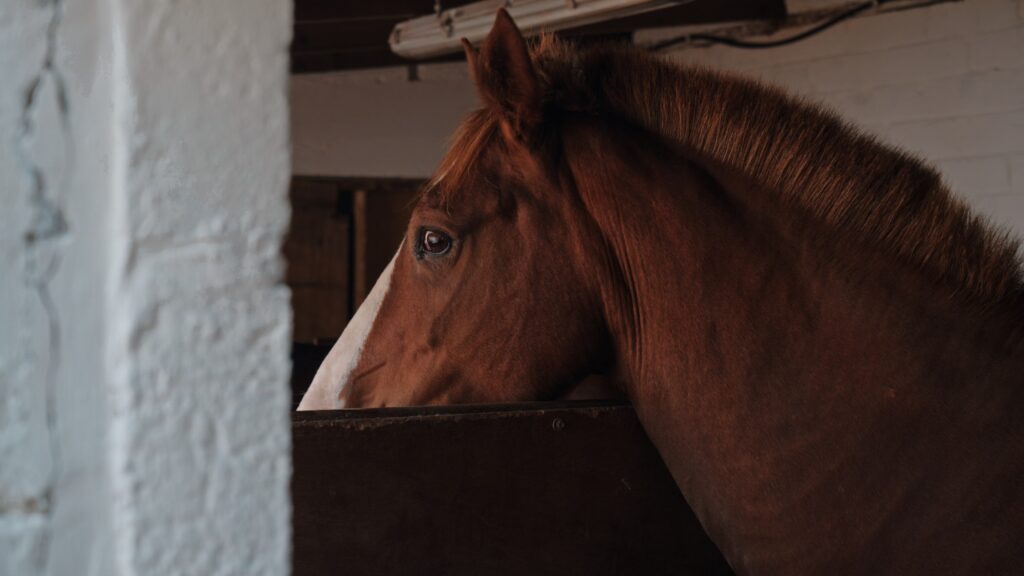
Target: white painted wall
x,y
144,326
25,463
946,82
377,122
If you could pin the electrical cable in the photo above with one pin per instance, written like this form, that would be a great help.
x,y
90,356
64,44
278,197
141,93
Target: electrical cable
x,y
816,29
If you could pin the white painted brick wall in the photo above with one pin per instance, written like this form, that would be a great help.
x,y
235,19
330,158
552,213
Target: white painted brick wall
x,y
945,82
28,468
199,426
144,325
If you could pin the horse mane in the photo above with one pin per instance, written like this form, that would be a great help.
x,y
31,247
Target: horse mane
x,y
850,181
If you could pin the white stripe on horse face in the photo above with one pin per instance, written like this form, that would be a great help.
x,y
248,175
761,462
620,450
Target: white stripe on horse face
x,y
334,372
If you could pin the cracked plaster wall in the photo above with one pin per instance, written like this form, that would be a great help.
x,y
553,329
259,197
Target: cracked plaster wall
x,y
25,460
144,327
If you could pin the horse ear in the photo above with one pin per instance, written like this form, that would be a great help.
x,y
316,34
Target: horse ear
x,y
471,58
505,76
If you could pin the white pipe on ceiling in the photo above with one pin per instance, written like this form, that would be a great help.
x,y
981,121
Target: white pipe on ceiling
x,y
442,33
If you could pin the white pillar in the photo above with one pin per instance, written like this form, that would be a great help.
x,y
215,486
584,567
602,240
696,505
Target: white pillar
x,y
144,326
25,463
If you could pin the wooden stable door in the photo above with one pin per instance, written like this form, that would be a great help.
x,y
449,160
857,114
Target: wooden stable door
x,y
525,489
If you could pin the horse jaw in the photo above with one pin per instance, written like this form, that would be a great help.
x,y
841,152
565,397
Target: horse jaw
x,y
325,391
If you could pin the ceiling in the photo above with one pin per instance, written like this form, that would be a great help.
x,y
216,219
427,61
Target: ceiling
x,y
348,34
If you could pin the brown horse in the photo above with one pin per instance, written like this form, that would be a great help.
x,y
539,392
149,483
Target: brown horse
x,y
826,348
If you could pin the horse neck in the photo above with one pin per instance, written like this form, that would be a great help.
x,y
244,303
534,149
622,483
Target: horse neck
x,y
771,363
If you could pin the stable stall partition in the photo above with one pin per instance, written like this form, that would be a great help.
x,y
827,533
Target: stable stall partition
x,y
542,488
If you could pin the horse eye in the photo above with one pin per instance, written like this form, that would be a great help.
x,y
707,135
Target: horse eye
x,y
435,242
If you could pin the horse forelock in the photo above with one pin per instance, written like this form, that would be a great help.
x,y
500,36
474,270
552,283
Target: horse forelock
x,y
466,147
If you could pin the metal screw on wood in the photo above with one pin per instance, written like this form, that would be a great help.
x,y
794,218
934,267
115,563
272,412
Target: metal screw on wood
x,y
558,424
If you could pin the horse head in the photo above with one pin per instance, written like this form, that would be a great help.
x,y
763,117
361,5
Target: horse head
x,y
495,292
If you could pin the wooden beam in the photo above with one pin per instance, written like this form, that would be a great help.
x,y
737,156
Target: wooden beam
x,y
320,10
328,61
345,36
